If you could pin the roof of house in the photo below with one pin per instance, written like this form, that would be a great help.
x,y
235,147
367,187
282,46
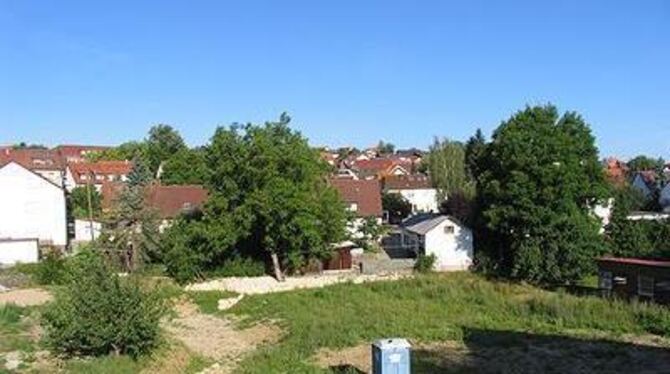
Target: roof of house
x,y
169,201
80,169
32,158
366,194
68,151
647,176
31,172
407,182
635,261
421,224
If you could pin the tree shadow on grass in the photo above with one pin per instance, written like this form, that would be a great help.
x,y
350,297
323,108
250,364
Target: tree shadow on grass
x,y
489,351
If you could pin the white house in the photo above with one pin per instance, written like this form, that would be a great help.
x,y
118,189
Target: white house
x,y
416,189
31,207
644,182
442,236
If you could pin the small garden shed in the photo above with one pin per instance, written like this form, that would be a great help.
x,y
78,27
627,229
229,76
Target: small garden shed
x,y
635,278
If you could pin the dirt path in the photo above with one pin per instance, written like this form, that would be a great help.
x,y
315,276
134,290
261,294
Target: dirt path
x,y
25,297
216,337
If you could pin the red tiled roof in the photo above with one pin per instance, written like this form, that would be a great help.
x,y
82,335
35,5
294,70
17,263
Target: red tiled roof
x,y
635,261
407,182
69,152
366,194
169,201
102,168
31,158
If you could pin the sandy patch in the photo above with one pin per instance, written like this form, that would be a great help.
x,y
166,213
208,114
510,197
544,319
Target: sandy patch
x,y
26,297
218,338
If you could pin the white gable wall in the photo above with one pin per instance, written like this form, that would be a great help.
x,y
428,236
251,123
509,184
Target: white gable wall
x,y
422,200
31,207
452,251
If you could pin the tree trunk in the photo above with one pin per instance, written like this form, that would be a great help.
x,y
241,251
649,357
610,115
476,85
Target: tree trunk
x,y
277,268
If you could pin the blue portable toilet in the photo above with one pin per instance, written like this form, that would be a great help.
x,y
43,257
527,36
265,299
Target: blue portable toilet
x,y
391,356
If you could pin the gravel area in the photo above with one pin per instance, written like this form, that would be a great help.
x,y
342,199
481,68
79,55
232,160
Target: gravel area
x,y
25,297
268,284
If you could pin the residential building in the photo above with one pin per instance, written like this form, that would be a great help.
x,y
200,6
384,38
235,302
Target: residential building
x,y
644,279
33,207
361,197
664,198
645,182
442,236
416,189
76,153
44,162
377,168
616,171
79,174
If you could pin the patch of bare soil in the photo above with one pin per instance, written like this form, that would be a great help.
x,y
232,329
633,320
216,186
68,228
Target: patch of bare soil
x,y
26,297
218,338
518,353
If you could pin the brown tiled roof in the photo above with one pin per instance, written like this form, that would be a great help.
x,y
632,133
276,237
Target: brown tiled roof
x,y
169,201
407,182
366,194
102,168
70,152
30,158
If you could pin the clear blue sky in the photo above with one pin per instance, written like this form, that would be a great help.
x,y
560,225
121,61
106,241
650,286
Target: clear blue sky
x,y
349,72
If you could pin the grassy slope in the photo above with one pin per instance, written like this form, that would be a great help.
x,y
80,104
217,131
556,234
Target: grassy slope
x,y
431,308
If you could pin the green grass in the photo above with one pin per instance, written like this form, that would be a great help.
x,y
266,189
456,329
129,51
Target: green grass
x,y
13,334
208,301
431,308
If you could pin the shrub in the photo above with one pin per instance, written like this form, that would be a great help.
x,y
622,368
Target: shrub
x,y
51,269
240,267
98,313
424,264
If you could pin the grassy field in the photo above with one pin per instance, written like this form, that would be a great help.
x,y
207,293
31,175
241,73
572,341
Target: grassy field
x,y
476,316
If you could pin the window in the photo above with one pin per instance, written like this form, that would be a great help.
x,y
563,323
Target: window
x,y
353,207
645,286
449,229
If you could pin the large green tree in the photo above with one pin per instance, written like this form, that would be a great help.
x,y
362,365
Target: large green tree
x,y
539,178
79,202
162,143
447,169
186,166
269,198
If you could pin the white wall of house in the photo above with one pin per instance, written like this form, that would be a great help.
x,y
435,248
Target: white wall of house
x,y
56,176
24,251
83,230
31,207
422,200
452,247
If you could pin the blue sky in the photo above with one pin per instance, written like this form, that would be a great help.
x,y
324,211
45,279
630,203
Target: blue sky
x,y
348,72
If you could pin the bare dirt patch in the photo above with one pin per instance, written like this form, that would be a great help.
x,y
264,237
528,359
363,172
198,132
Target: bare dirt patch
x,y
218,338
518,353
26,297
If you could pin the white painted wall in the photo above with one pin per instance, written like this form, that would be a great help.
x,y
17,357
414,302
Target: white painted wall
x,y
453,251
31,207
422,200
56,176
25,251
82,230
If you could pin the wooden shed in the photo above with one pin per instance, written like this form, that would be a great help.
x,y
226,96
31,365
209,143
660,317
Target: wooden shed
x,y
643,279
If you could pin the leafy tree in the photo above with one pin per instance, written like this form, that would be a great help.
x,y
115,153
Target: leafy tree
x,y
475,149
446,166
187,166
131,228
24,145
541,176
268,198
97,313
397,206
163,142
371,231
125,151
79,202
460,205
385,148
642,163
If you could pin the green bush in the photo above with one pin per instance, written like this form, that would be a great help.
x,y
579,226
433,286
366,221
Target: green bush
x,y
98,313
239,267
51,269
424,264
